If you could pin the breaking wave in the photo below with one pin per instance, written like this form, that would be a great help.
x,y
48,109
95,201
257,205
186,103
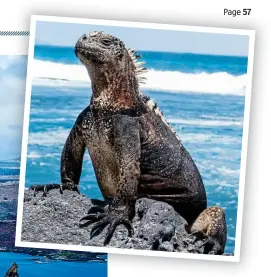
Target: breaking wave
x,y
47,73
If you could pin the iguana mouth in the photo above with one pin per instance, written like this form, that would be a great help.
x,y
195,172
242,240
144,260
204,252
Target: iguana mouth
x,y
81,50
88,54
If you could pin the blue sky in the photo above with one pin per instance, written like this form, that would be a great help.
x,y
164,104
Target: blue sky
x,y
66,34
12,91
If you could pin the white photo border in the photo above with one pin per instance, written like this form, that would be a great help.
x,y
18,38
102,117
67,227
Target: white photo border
x,y
34,20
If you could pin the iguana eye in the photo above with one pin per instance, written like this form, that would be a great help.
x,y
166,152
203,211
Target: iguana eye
x,y
106,41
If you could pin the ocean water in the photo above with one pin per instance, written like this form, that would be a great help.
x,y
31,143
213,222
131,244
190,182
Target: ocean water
x,y
31,266
202,97
9,170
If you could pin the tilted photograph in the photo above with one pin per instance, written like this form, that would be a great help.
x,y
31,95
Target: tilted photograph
x,y
135,138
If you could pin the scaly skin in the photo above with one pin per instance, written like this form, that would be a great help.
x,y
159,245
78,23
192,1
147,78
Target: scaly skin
x,y
134,151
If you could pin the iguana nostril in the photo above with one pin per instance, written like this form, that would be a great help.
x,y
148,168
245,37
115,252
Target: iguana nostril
x,y
84,37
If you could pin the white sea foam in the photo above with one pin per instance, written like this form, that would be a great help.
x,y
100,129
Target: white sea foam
x,y
203,122
64,112
9,167
54,137
36,155
208,138
9,183
175,81
33,155
48,120
227,171
57,74
7,177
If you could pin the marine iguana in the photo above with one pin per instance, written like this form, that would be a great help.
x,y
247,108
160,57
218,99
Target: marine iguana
x,y
13,271
134,151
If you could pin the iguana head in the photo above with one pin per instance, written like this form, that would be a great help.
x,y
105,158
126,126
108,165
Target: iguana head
x,y
113,69
98,49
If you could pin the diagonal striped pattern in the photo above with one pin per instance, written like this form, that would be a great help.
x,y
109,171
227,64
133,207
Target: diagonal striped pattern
x,y
14,33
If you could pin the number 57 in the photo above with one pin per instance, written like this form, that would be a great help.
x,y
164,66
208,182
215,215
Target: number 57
x,y
246,11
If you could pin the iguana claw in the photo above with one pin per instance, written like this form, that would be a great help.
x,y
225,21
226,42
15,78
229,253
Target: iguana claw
x,y
198,235
112,217
46,188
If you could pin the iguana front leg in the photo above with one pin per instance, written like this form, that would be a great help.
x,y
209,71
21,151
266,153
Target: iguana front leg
x,y
71,162
126,143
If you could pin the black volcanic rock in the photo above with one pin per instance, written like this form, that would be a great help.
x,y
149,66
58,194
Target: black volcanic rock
x,y
55,218
8,200
8,191
7,234
8,211
13,271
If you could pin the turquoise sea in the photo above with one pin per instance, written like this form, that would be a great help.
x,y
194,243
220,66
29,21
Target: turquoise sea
x,y
31,266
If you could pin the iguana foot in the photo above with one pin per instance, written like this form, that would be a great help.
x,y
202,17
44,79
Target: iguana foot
x,y
199,235
101,217
46,188
100,205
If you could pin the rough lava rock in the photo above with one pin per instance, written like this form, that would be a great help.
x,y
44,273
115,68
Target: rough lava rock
x,y
8,200
8,211
55,219
13,271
